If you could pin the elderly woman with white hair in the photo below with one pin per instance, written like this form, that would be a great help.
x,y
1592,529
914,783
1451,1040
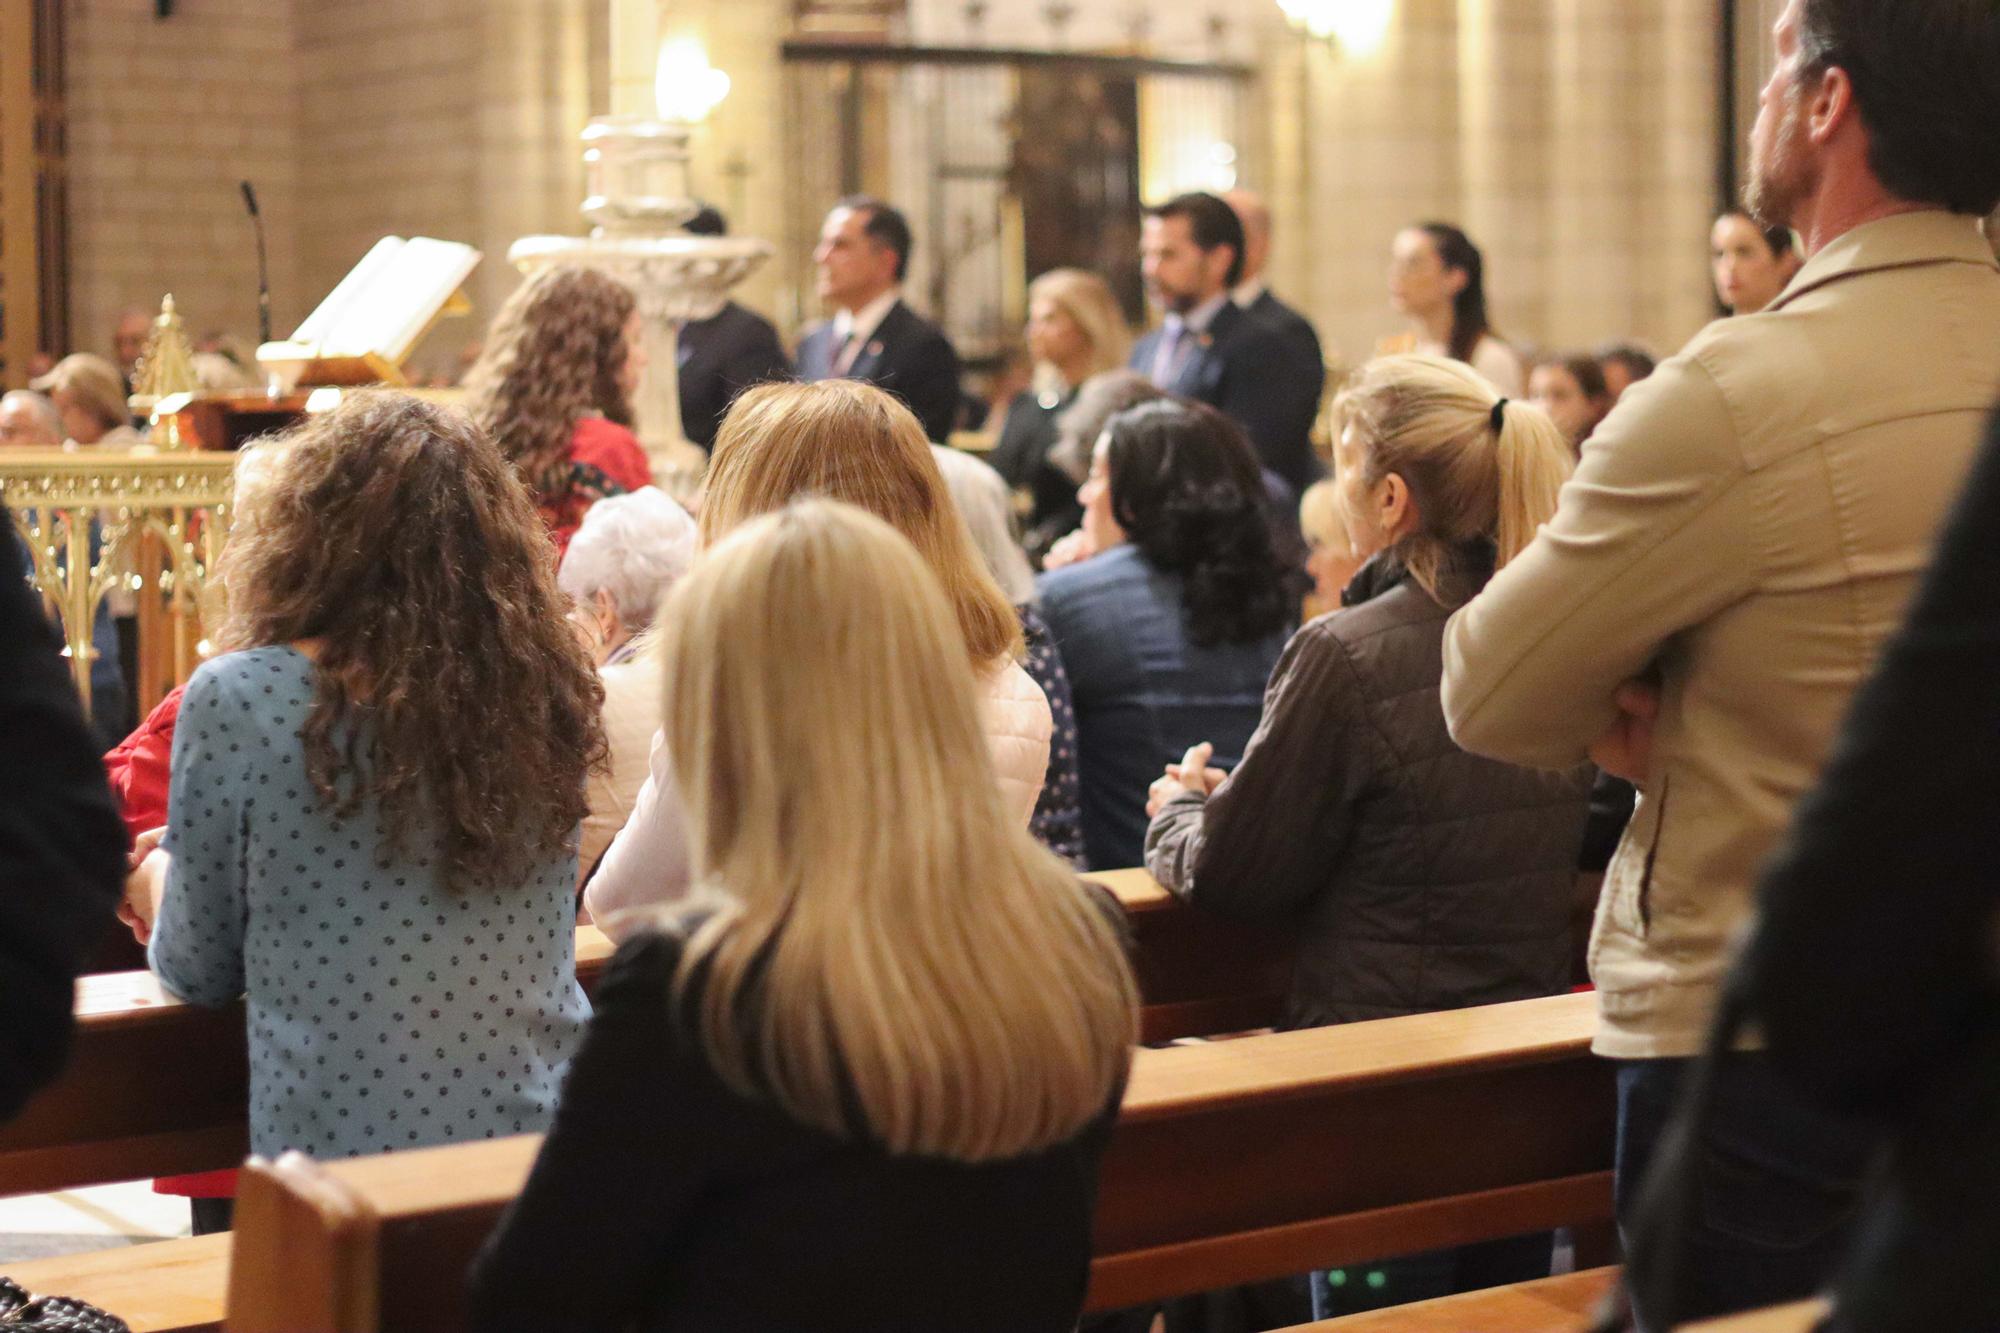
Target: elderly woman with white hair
x,y
628,552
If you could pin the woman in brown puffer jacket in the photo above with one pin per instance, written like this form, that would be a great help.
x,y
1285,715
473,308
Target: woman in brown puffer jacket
x,y
1413,876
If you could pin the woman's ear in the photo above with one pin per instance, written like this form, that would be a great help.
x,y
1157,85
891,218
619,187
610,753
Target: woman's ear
x,y
604,610
1395,508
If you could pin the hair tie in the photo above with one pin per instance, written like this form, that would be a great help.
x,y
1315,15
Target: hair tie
x,y
1499,417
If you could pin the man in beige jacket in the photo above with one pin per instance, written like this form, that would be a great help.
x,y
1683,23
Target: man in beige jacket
x,y
1738,541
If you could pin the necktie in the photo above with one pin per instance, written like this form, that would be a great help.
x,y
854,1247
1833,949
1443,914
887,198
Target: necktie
x,y
1167,364
844,356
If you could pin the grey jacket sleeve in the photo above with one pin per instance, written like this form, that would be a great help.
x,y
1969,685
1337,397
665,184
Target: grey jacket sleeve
x,y
1260,847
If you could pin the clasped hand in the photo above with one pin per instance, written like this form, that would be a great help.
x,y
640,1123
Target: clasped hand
x,y
1191,774
145,883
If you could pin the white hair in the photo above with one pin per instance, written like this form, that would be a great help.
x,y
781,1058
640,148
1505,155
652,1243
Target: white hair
x,y
986,506
40,405
634,547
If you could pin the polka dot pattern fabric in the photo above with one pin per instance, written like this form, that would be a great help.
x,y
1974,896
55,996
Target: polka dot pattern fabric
x,y
385,1010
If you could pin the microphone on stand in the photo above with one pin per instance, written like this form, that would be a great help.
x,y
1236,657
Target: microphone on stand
x,y
263,270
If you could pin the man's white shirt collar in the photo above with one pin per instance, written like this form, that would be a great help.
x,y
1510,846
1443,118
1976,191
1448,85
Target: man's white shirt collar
x,y
1249,292
861,324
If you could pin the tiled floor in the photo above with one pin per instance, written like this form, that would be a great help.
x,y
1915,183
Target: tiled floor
x,y
35,1226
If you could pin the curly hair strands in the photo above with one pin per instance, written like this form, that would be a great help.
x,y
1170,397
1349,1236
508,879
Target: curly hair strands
x,y
449,688
555,354
1187,490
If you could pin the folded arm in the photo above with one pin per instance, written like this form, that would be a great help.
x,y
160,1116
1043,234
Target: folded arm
x,y
1654,534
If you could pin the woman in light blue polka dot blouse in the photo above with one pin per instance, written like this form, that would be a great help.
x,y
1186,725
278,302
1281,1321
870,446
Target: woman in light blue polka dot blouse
x,y
371,828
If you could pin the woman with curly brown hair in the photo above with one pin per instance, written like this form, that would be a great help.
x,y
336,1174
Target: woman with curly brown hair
x,y
375,792
554,389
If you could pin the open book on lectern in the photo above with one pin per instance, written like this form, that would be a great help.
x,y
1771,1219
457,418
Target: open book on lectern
x,y
366,327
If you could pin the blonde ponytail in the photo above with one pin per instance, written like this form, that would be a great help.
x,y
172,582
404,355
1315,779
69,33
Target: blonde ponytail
x,y
1533,462
1478,466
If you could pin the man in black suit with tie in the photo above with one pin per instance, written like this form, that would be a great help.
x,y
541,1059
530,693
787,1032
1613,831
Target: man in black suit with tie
x,y
721,356
1209,349
863,253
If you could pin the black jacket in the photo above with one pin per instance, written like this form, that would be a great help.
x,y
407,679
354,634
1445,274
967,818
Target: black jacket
x,y
719,357
1414,876
1022,458
664,1200
1252,371
907,355
62,847
1877,963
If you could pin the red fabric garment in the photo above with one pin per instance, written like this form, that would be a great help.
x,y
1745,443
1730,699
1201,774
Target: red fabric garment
x,y
605,459
137,768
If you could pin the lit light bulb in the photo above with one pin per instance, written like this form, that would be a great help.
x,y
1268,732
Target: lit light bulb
x,y
1358,27
685,86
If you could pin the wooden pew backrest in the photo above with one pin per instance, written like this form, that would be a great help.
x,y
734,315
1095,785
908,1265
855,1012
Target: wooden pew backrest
x,y
1232,1162
156,1087
1199,974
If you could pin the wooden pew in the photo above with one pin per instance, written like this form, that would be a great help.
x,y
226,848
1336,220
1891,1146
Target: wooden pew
x,y
157,1087
1802,1317
154,1087
1200,975
1232,1162
1547,1305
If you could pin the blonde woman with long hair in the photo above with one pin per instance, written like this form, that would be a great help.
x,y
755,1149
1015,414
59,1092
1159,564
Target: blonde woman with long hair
x,y
863,1078
844,440
1075,331
1414,876
553,387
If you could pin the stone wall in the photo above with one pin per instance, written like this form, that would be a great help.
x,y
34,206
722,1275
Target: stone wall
x,y
355,118
1575,139
164,117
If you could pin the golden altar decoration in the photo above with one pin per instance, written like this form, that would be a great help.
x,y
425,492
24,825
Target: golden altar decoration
x,y
161,519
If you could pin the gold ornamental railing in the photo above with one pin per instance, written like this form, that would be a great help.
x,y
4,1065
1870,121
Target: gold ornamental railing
x,y
160,521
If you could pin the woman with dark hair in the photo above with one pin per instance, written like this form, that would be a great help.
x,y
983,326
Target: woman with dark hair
x,y
553,388
354,840
1751,263
1169,631
1437,279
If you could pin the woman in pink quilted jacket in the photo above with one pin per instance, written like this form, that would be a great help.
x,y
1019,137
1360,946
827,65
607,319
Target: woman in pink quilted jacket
x,y
843,440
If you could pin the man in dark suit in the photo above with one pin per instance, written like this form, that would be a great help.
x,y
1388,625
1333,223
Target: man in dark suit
x,y
863,253
1210,349
1251,293
721,356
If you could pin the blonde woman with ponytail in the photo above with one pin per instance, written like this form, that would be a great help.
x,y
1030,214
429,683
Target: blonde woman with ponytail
x,y
862,1079
1413,876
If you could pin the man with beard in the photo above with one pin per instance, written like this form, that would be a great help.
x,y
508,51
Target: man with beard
x,y
1736,546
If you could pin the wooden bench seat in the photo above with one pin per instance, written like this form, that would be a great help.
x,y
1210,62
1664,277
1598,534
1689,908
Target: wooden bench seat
x,y
157,1087
169,1286
1232,1162
1547,1305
